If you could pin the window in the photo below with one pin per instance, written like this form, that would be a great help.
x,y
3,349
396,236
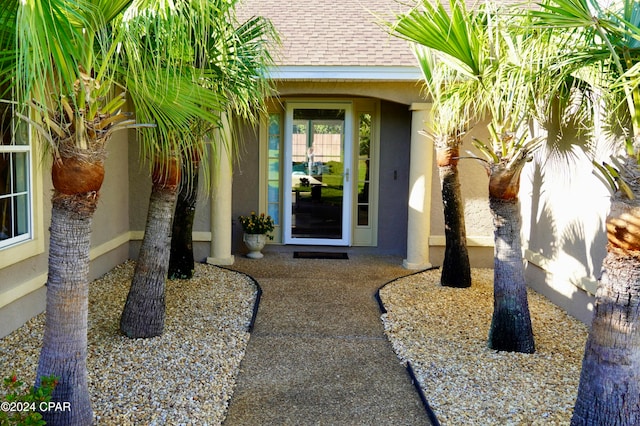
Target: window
x,y
364,169
15,179
366,149
273,160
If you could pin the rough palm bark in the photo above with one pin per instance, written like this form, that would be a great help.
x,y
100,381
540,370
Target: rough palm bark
x,y
181,260
609,389
143,315
77,173
456,269
64,347
77,179
511,328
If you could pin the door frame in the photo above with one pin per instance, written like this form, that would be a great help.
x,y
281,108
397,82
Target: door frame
x,y
347,198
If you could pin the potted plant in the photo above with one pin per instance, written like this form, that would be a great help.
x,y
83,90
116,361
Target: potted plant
x,y
255,235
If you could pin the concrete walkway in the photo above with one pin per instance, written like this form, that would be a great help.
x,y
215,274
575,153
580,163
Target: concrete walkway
x,y
318,354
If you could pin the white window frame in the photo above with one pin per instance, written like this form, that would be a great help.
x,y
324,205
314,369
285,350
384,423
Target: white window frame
x,y
263,196
16,249
367,235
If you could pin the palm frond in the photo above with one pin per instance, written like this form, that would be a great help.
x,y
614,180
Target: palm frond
x,y
188,64
455,33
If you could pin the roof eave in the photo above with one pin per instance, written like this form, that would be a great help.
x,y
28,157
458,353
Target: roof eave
x,y
345,73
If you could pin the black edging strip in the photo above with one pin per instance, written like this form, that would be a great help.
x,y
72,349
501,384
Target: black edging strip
x,y
423,398
430,413
256,304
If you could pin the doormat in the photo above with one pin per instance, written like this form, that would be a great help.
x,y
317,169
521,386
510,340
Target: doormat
x,y
319,255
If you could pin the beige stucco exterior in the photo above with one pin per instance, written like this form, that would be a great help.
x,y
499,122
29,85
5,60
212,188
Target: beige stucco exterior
x,y
564,206
23,269
350,58
563,230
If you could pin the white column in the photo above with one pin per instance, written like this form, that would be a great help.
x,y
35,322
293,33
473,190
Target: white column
x,y
420,170
221,187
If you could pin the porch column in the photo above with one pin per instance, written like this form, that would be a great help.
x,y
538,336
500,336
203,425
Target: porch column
x,y
221,186
420,170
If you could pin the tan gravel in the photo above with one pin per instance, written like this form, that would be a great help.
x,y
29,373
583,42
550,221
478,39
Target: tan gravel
x,y
443,332
185,376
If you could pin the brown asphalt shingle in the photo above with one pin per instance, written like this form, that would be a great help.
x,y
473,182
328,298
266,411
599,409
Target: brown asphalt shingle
x,y
333,33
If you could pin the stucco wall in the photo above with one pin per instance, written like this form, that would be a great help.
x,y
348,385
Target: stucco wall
x,y
401,92
246,184
138,205
564,208
111,220
109,239
395,147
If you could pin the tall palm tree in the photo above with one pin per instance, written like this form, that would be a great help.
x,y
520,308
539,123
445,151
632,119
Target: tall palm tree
x,y
454,93
243,78
601,43
477,45
54,55
165,31
203,40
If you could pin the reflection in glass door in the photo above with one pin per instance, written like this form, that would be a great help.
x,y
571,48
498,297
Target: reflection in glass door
x,y
317,150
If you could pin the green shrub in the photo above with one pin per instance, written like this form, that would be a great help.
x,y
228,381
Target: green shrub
x,y
20,404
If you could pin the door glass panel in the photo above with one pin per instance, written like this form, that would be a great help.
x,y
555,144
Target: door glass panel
x,y
273,164
364,164
318,173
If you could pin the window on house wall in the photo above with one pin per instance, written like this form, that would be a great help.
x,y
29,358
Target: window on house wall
x,y
364,169
273,164
15,178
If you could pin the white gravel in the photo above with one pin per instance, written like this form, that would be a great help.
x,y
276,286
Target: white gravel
x,y
185,376
443,333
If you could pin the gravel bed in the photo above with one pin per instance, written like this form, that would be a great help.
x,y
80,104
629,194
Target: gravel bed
x,y
185,376
443,333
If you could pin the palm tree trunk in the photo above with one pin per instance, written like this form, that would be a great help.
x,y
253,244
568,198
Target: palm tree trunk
x,y
144,311
456,269
609,389
511,322
64,346
181,260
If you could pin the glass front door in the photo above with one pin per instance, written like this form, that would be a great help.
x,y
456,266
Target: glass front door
x,y
317,171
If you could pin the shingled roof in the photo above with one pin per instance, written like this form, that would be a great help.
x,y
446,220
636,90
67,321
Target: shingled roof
x,y
330,33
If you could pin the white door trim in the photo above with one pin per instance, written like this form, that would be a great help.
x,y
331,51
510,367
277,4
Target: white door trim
x,y
347,209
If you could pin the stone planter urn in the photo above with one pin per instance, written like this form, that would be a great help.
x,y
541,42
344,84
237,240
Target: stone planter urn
x,y
255,243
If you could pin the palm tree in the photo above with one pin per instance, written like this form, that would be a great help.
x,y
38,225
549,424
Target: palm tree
x,y
54,55
181,258
201,40
453,91
242,78
161,34
601,45
476,45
